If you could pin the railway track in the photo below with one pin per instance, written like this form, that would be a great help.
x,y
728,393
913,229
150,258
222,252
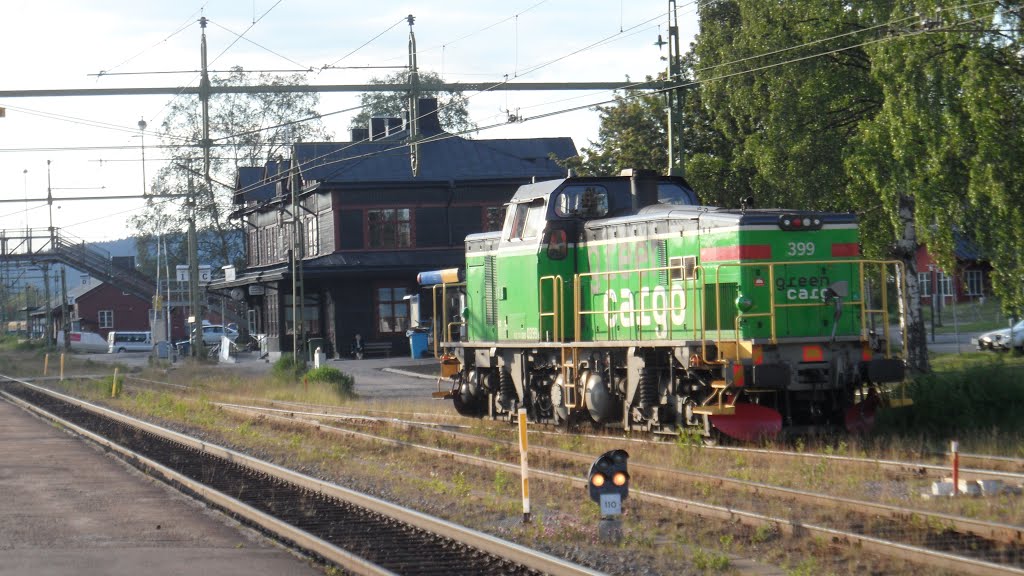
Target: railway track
x,y
1008,469
965,545
358,533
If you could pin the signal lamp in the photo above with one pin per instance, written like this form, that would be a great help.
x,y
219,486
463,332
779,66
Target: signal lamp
x,y
609,477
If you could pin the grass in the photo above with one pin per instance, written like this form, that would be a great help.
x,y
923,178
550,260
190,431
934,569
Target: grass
x,y
975,398
972,316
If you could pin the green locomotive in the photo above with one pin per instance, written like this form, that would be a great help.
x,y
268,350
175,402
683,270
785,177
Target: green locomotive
x,y
622,301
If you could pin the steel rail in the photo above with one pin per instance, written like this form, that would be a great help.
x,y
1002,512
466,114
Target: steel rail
x,y
999,532
917,468
513,552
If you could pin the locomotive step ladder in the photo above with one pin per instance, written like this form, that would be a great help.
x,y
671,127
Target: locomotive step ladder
x,y
721,408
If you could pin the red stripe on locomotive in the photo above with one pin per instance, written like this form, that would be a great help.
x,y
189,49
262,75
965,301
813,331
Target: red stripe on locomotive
x,y
752,252
848,249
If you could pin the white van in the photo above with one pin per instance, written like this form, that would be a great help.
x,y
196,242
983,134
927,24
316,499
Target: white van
x,y
129,342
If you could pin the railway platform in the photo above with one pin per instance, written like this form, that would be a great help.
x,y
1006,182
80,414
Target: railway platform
x,y
67,508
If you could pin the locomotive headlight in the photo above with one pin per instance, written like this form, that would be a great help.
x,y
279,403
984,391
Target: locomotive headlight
x,y
744,303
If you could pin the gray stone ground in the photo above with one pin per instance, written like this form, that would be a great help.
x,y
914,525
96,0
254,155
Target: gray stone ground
x,y
66,508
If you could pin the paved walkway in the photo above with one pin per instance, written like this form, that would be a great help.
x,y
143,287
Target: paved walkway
x,y
66,508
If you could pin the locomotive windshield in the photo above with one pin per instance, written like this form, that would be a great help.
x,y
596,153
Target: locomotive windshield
x,y
673,193
582,201
527,220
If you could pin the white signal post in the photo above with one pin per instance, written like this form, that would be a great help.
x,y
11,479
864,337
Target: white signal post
x,y
954,448
525,467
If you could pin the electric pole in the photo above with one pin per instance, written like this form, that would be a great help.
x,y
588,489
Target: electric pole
x,y
196,334
414,102
298,302
675,97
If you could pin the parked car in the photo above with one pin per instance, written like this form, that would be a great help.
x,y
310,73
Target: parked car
x,y
212,334
127,341
84,342
1000,340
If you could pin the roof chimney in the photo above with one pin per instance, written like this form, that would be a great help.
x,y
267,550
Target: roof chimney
x,y
428,121
359,134
378,128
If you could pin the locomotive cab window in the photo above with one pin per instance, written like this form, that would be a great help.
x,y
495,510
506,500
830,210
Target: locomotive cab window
x,y
582,202
527,220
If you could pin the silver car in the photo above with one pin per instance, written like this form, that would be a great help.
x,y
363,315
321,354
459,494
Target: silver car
x,y
1003,339
213,333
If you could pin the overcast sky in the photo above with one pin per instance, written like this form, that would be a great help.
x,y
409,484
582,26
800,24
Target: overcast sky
x,y
66,43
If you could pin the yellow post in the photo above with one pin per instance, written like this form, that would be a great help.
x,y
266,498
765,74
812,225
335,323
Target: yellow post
x,y
46,364
61,366
113,385
525,469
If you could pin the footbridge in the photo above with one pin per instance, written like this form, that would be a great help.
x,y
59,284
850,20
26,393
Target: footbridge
x,y
52,245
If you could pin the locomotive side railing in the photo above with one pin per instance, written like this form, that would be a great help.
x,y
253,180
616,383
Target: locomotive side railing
x,y
690,289
442,327
865,312
694,287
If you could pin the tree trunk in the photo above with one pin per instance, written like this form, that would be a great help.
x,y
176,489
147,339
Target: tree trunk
x,y
905,250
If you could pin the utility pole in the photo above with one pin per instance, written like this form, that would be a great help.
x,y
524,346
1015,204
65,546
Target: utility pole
x,y
675,97
46,304
414,102
65,324
193,244
298,300
196,333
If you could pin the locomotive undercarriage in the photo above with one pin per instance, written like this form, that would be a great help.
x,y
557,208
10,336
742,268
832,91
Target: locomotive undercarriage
x,y
660,389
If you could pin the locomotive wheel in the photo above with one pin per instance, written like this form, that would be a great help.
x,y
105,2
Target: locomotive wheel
x,y
469,399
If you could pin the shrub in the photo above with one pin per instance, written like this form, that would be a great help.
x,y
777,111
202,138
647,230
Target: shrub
x,y
978,397
343,383
285,368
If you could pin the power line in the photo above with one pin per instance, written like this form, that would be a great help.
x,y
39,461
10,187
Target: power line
x,y
184,25
279,55
363,45
609,101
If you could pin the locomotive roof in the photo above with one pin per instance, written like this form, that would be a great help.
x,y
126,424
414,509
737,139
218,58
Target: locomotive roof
x,y
543,189
736,215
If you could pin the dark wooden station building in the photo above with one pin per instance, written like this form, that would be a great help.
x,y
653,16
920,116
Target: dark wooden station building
x,y
369,225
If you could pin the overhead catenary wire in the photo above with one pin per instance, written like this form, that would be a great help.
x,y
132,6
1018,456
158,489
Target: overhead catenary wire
x,y
660,90
363,45
184,26
303,67
724,64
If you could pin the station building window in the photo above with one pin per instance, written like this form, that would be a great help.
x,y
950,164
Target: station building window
x,y
392,310
974,282
389,228
494,216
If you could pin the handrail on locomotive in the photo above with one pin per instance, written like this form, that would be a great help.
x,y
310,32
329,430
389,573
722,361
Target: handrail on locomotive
x,y
444,340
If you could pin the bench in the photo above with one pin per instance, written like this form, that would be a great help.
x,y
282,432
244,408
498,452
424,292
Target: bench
x,y
377,348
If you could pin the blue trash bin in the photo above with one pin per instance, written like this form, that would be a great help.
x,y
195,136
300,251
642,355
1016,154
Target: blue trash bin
x,y
417,343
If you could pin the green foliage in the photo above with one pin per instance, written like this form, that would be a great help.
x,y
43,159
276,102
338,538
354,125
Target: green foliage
x,y
451,104
343,383
250,129
709,561
633,134
286,368
977,398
